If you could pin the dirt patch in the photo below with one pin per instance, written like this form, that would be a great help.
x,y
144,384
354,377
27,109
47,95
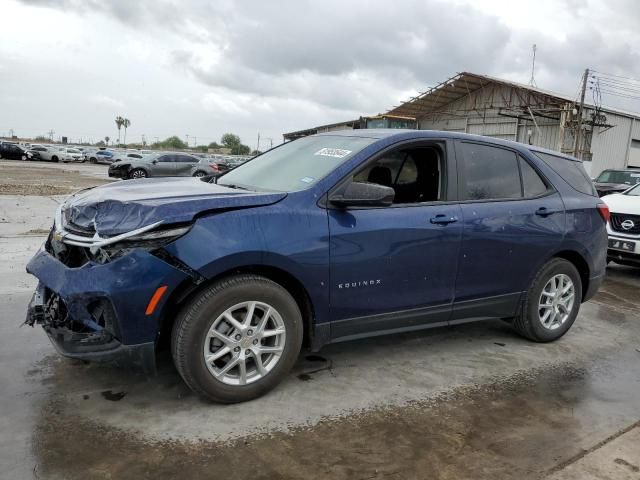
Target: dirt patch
x,y
19,178
37,231
42,190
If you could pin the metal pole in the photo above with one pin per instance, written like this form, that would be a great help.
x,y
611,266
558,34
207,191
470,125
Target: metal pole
x,y
576,147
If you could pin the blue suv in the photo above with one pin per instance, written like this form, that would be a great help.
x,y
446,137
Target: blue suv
x,y
329,238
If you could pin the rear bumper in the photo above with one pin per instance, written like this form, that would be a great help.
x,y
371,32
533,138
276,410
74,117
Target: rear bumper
x,y
594,285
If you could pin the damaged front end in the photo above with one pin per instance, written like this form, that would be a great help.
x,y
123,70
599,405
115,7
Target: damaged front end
x,y
94,292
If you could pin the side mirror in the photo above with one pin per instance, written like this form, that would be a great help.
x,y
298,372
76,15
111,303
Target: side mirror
x,y
154,161
359,194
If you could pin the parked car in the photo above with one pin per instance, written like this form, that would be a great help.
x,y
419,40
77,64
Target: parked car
x,y
71,155
12,151
48,153
616,181
90,154
102,156
205,167
229,163
119,156
167,164
624,227
359,233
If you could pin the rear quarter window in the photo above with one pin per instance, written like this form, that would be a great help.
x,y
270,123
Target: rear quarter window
x,y
571,172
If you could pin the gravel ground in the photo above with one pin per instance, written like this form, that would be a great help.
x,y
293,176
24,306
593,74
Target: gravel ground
x,y
45,179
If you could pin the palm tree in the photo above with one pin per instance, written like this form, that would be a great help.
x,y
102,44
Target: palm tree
x,y
125,123
119,123
106,140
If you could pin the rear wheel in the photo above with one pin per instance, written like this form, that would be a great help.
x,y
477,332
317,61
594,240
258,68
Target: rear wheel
x,y
199,174
237,339
54,159
552,302
138,173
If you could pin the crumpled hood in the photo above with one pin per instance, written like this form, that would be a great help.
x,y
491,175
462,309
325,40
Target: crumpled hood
x,y
120,207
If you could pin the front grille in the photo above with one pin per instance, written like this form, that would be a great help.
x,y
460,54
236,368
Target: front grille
x,y
617,220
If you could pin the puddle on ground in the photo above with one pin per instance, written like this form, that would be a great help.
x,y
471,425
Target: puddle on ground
x,y
514,427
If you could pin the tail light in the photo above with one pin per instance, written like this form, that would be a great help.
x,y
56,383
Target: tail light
x,y
603,210
214,166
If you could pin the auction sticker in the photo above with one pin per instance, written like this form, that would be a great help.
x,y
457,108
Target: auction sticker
x,y
333,152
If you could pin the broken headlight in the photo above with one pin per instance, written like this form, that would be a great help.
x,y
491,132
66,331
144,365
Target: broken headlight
x,y
151,240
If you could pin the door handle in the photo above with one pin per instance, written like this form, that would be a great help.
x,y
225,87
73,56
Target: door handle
x,y
443,219
544,211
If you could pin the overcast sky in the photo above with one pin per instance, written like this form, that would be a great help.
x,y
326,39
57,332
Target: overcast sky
x,y
202,68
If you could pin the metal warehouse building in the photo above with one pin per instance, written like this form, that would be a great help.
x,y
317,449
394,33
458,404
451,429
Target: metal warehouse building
x,y
483,105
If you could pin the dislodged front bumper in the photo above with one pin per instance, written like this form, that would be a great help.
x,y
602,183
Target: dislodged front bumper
x,y
98,312
118,171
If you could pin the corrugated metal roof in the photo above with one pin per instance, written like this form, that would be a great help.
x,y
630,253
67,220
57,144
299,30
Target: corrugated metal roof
x,y
465,83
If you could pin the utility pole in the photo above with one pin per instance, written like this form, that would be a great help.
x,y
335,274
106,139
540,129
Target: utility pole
x,y
51,132
532,81
258,146
576,147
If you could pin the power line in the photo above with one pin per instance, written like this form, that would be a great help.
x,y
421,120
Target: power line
x,y
616,76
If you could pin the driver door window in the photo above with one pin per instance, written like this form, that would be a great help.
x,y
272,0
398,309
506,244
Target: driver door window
x,y
415,174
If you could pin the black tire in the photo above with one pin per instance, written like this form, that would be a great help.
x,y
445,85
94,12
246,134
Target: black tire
x,y
54,159
195,320
93,160
528,323
199,174
138,173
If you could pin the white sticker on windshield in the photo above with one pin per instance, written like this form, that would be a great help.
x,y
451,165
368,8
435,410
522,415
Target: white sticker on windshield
x,y
635,175
307,179
333,152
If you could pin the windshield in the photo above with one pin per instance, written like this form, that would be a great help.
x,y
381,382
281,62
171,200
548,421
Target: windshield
x,y
296,165
633,191
613,176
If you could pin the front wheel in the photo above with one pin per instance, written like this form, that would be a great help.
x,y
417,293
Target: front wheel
x,y
552,302
237,339
199,174
54,159
138,173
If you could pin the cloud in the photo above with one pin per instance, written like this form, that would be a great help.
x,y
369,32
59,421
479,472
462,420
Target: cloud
x,y
238,65
106,101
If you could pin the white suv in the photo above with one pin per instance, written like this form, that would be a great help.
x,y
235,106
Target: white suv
x,y
624,227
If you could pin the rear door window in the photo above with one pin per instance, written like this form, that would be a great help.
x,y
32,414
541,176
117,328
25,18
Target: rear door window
x,y
532,183
571,172
490,173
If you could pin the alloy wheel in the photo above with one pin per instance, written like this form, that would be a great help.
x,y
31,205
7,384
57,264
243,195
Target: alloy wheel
x,y
556,301
244,343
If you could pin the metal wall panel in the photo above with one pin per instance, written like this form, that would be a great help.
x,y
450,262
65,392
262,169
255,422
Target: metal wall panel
x,y
610,146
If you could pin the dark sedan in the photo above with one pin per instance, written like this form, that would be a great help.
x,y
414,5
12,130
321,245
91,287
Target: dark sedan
x,y
616,181
12,151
